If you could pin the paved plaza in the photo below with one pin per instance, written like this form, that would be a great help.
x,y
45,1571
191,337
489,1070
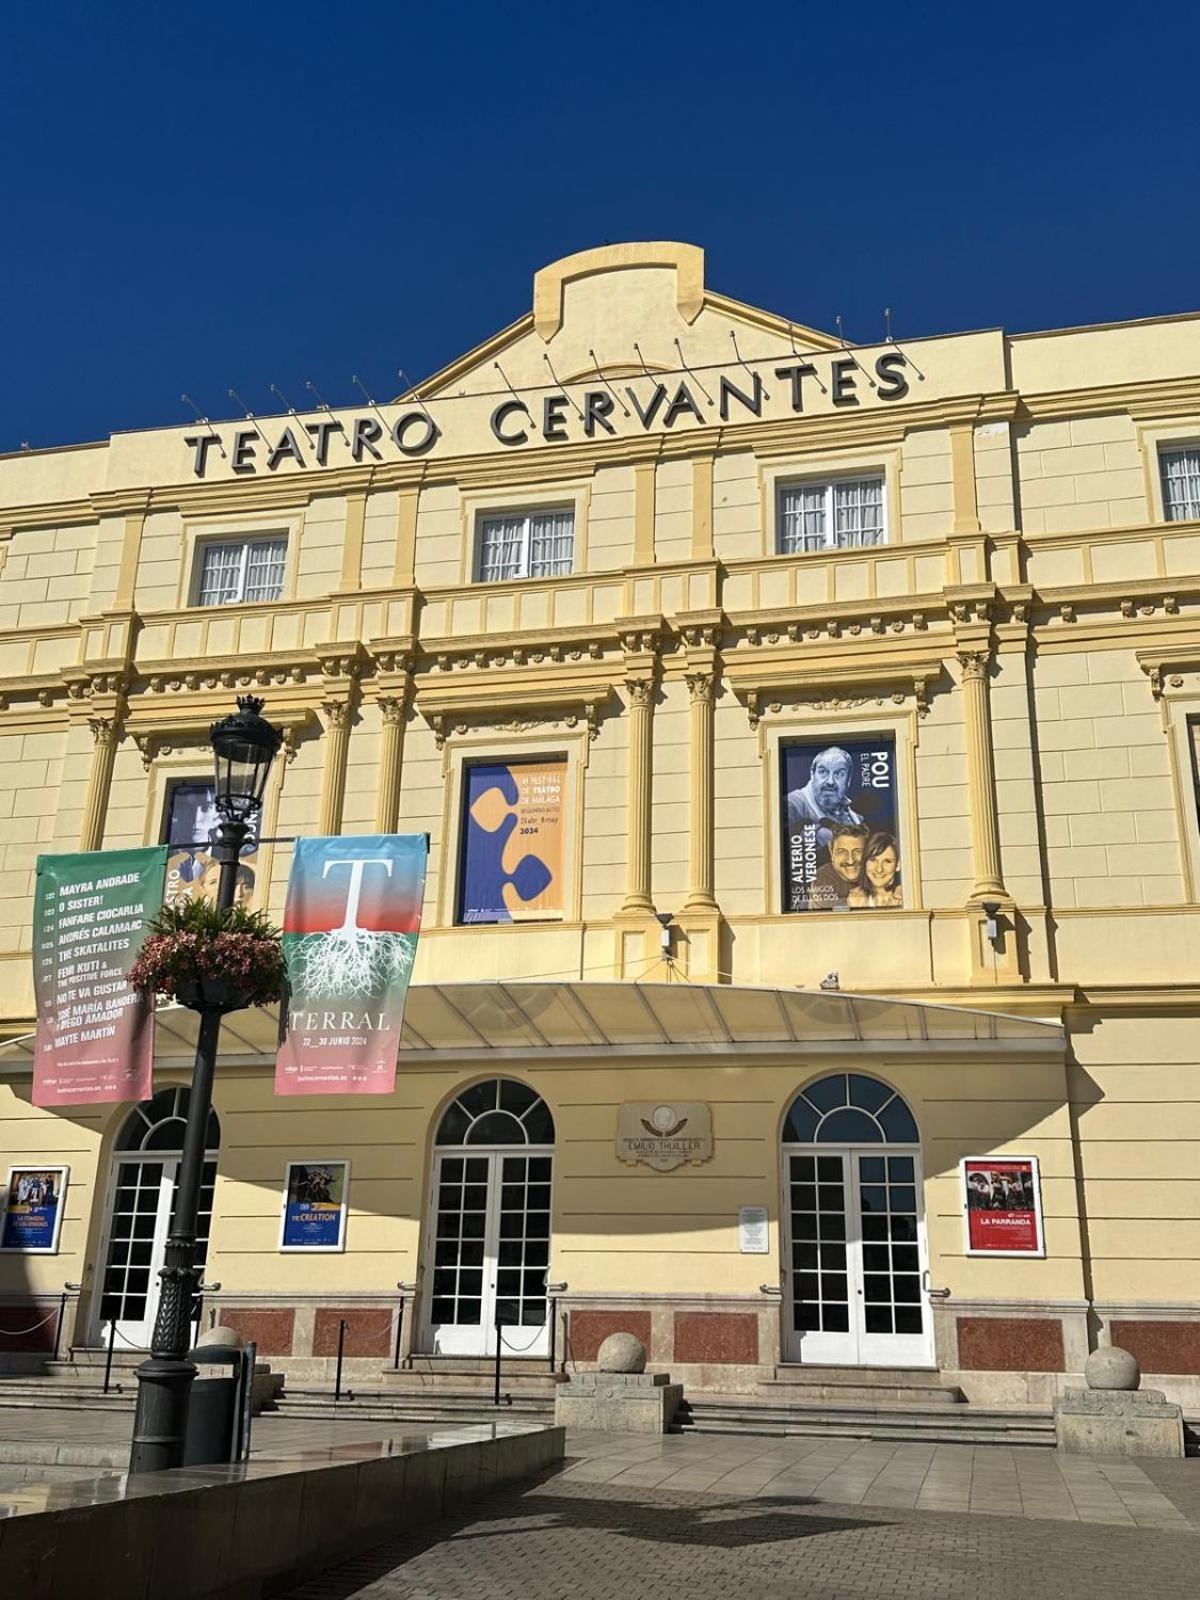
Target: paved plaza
x,y
716,1516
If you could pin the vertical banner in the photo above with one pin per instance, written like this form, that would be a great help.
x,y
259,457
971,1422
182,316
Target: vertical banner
x,y
33,1209
192,872
314,1205
95,1035
512,847
350,931
1002,1203
841,847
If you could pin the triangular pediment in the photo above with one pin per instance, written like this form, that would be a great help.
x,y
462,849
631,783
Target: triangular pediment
x,y
619,312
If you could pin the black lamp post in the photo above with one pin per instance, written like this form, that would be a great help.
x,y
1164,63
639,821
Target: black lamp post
x,y
244,746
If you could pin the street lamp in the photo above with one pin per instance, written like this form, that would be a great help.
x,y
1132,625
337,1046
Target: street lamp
x,y
244,745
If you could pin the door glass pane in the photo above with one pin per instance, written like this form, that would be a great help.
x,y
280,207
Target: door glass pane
x,y
891,1275
135,1209
820,1287
525,1244
460,1228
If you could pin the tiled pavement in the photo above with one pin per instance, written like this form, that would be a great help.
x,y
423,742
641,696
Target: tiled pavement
x,y
712,1518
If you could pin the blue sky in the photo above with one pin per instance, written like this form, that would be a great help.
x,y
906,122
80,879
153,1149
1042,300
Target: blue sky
x,y
214,196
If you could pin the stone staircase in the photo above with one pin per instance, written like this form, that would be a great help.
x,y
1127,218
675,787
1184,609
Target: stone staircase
x,y
900,1405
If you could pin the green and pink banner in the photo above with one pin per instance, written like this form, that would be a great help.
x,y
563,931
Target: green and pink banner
x,y
350,931
95,1035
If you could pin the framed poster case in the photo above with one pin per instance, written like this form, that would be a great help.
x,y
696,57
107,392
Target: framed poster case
x,y
315,1204
33,1203
1002,1206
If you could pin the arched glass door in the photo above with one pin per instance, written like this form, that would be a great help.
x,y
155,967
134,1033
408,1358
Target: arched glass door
x,y
141,1196
855,1250
490,1223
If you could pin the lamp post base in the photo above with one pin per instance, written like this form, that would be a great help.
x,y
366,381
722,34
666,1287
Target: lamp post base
x,y
164,1394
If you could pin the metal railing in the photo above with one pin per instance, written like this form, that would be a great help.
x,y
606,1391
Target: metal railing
x,y
56,1314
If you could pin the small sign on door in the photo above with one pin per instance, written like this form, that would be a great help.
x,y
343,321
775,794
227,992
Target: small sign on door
x,y
753,1233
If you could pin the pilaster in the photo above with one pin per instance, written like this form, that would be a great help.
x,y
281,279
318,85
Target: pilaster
x,y
106,730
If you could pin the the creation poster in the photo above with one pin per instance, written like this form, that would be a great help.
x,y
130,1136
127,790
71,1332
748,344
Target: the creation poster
x,y
315,1205
33,1209
513,842
95,1035
1002,1204
350,930
192,873
838,813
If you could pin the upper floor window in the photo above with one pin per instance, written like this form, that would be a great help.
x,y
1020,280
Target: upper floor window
x,y
1181,483
842,514
526,544
237,570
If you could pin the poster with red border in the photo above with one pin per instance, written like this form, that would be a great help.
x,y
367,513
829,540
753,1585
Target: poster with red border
x,y
1002,1206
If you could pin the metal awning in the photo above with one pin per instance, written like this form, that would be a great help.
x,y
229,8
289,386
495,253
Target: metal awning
x,y
537,1019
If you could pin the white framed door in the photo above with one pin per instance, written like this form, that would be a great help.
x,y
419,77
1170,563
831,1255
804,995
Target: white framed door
x,y
490,1233
141,1197
856,1257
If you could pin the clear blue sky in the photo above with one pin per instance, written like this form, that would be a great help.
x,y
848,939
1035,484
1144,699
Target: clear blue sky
x,y
218,195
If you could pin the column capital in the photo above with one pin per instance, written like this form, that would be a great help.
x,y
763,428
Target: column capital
x,y
701,686
640,689
393,709
105,731
974,664
336,713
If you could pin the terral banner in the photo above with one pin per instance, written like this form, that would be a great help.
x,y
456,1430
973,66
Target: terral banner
x,y
350,931
95,1035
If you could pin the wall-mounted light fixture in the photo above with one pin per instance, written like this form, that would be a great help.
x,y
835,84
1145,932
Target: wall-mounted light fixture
x,y
991,927
664,921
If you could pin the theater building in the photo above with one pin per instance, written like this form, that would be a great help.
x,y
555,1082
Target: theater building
x,y
805,735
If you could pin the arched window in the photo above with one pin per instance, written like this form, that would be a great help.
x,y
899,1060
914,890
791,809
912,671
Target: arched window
x,y
500,1111
158,1124
848,1108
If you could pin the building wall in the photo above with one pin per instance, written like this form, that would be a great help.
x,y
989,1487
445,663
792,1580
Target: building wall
x,y
1025,527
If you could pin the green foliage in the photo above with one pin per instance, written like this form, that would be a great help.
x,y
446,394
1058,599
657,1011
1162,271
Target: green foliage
x,y
202,917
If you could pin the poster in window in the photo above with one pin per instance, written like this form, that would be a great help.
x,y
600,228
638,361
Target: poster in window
x,y
192,873
841,844
512,846
1002,1204
314,1205
33,1209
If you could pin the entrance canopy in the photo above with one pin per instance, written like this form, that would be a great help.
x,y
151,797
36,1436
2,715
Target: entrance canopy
x,y
496,1021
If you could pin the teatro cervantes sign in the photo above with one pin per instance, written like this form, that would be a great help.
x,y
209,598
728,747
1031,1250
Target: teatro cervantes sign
x,y
664,1134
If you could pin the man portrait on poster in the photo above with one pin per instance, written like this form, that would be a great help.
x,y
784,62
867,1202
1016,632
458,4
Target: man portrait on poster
x,y
825,797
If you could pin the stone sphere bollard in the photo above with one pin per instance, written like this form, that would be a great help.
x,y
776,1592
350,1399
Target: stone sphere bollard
x,y
222,1336
622,1352
1112,1368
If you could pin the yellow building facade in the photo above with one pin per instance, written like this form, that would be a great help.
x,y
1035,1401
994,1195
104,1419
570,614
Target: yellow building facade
x,y
853,690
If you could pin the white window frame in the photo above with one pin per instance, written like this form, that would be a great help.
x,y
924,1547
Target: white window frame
x,y
1178,447
829,487
242,543
527,516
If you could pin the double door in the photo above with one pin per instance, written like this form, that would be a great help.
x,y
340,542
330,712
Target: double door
x,y
491,1250
141,1200
854,1270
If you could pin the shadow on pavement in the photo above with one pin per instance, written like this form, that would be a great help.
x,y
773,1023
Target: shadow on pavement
x,y
714,1524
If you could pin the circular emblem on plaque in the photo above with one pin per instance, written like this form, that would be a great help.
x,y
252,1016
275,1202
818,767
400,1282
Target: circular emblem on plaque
x,y
664,1118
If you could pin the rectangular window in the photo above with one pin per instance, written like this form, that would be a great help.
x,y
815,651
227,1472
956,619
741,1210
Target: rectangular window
x,y
241,570
1181,483
192,873
839,819
526,544
512,828
843,514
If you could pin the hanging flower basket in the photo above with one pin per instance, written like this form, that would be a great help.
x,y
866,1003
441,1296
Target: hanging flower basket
x,y
210,960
